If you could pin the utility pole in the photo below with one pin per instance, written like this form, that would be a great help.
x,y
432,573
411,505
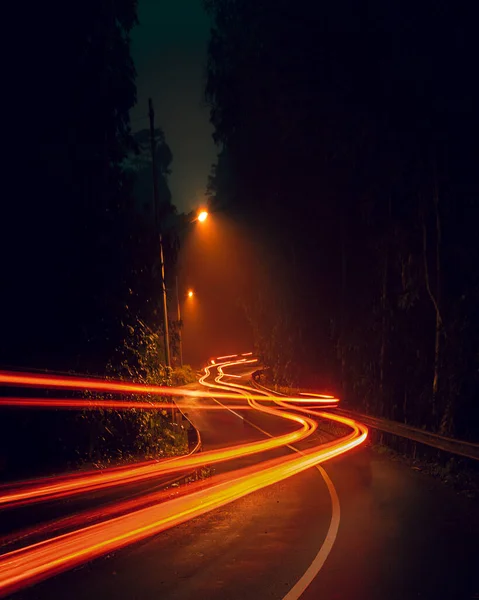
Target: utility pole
x,y
180,340
151,114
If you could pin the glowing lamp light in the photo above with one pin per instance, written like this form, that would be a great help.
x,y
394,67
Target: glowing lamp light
x,y
202,216
190,293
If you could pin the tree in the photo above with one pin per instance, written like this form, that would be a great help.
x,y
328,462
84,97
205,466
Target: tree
x,y
345,149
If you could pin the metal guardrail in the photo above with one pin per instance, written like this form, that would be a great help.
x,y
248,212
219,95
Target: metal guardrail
x,y
446,444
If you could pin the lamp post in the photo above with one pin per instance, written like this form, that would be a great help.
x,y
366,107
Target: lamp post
x,y
190,294
180,340
201,217
166,334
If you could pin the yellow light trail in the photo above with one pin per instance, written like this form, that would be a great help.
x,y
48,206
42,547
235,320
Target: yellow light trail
x,y
82,384
37,561
67,485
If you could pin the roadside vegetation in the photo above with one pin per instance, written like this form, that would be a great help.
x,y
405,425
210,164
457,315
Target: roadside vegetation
x,y
81,275
357,178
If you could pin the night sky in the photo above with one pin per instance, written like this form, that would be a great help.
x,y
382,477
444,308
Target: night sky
x,y
169,50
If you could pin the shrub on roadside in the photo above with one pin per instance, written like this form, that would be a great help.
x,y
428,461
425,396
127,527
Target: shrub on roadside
x,y
183,375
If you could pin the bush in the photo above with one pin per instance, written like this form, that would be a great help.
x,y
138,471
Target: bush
x,y
116,436
183,375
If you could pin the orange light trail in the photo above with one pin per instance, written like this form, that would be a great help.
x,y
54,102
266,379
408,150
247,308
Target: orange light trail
x,y
60,487
318,395
120,387
153,513
89,404
44,559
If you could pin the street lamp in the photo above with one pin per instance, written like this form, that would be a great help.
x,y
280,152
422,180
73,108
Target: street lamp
x,y
156,199
190,294
202,216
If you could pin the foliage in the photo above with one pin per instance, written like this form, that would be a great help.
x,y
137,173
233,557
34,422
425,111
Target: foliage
x,y
144,355
183,375
67,238
112,436
80,255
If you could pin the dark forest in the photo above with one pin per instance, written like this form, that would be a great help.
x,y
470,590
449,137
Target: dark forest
x,y
347,148
348,141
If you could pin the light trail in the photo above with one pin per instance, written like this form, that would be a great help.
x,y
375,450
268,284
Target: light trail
x,y
44,559
357,429
317,395
297,590
67,485
83,404
120,387
251,401
38,561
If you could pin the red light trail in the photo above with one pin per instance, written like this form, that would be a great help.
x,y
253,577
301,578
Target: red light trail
x,y
98,385
130,521
95,404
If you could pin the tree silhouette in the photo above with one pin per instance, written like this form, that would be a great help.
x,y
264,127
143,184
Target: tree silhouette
x,y
346,148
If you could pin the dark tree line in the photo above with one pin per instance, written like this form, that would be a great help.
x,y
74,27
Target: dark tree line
x,y
80,253
79,246
348,145
65,223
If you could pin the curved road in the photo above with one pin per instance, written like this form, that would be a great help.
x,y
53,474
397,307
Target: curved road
x,y
362,527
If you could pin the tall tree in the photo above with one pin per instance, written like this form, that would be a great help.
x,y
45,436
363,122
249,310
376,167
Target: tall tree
x,y
346,148
65,240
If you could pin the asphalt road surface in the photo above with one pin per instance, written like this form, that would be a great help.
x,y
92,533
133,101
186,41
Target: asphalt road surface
x,y
378,530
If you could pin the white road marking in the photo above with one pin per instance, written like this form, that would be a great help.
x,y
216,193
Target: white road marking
x,y
312,571
297,590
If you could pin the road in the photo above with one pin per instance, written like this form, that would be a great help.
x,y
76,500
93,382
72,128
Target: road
x,y
359,526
